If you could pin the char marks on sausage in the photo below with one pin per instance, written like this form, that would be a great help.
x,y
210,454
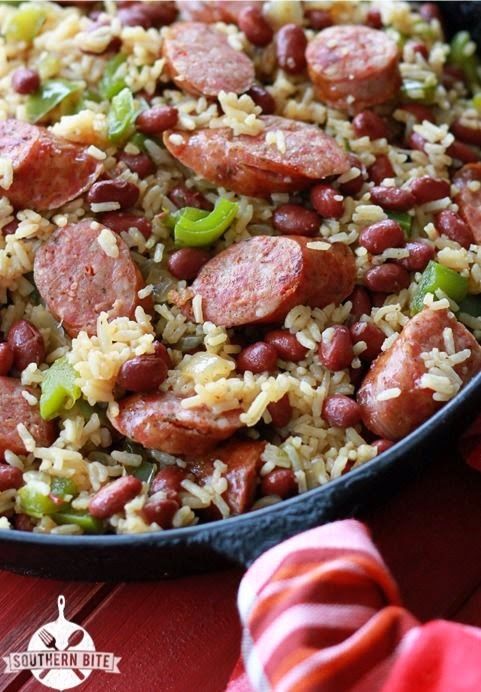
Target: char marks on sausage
x,y
249,166
469,200
14,410
243,461
78,280
354,67
201,61
158,421
47,171
401,366
261,279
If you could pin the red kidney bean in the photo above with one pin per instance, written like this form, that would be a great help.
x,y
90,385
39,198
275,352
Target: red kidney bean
x,y
371,335
286,345
380,169
258,357
280,411
382,445
392,198
22,522
326,201
420,253
113,497
419,111
142,373
134,16
370,124
361,302
462,152
161,352
156,120
378,299
382,235
169,480
353,187
9,228
427,189
262,98
255,26
291,44
160,13
420,48
387,278
183,196
416,141
25,81
429,11
292,219
335,352
10,478
121,191
187,262
319,19
6,359
120,221
160,511
374,19
280,482
138,163
452,225
341,412
26,343
452,75
357,376
466,133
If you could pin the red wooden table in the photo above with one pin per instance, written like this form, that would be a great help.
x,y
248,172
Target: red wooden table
x,y
183,635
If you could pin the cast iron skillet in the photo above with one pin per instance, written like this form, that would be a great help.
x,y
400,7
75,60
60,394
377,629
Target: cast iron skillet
x,y
241,539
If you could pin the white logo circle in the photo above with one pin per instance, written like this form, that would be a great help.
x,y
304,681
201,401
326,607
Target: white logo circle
x,y
61,635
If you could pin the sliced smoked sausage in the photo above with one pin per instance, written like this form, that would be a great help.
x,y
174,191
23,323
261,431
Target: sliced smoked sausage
x,y
402,367
468,199
211,11
354,67
78,280
47,171
14,409
250,166
261,279
158,421
201,61
243,461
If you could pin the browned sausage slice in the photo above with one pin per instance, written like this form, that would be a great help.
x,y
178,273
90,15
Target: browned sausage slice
x,y
354,67
78,280
261,279
14,409
211,11
250,166
243,461
201,61
402,367
158,421
469,198
47,171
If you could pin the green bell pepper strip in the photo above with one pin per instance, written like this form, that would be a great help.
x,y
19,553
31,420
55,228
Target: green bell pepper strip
x,y
412,90
138,140
26,23
87,522
191,213
62,487
59,390
477,101
49,96
207,229
145,472
403,219
121,117
33,503
436,276
113,81
471,305
468,63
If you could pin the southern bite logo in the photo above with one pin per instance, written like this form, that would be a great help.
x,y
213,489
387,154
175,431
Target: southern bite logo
x,y
61,654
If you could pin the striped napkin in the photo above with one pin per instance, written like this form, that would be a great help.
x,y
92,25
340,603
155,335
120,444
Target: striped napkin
x,y
322,613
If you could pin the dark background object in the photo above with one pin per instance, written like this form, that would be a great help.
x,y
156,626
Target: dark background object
x,y
241,539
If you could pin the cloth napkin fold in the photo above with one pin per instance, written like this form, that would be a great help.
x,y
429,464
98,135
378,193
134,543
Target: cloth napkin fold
x,y
322,613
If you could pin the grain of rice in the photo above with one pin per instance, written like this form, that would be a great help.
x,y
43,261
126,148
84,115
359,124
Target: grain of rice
x,y
392,393
99,207
108,243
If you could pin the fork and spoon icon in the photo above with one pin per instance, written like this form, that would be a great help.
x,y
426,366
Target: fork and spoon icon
x,y
50,642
